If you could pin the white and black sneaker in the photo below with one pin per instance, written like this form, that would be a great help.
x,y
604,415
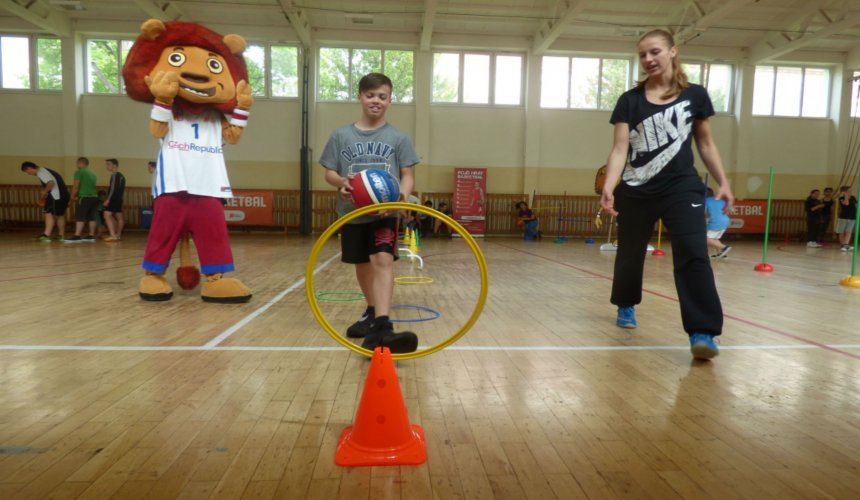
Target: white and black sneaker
x,y
722,253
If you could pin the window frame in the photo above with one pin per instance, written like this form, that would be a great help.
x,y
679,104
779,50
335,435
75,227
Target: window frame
x,y
267,74
599,89
803,68
33,63
267,59
352,91
86,67
705,69
491,80
299,62
853,98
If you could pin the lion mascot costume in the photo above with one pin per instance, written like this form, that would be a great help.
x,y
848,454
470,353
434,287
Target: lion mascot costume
x,y
196,81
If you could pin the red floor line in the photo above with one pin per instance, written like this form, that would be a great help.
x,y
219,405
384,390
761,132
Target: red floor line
x,y
736,318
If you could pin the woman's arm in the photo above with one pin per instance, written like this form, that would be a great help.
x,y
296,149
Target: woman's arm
x,y
711,156
614,166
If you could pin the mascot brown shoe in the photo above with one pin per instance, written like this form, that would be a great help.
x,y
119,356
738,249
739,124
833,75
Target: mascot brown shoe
x,y
224,290
154,287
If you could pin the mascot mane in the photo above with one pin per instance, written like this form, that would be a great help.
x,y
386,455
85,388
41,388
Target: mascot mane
x,y
146,51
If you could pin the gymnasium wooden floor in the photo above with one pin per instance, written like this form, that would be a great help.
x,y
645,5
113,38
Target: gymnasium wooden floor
x,y
103,395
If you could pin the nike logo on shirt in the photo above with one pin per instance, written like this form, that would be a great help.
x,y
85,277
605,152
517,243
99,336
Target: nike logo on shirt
x,y
667,129
696,205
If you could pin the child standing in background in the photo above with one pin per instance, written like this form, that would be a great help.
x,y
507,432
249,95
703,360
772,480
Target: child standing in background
x,y
718,222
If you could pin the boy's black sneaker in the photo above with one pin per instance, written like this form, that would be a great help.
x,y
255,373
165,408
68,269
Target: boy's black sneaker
x,y
383,336
360,328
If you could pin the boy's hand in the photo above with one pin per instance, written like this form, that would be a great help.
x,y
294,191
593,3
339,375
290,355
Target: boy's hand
x,y
345,190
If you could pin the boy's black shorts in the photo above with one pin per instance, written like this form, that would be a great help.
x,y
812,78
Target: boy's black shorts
x,y
56,207
359,241
87,209
114,206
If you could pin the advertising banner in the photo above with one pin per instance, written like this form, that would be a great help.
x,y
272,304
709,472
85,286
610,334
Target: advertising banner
x,y
470,194
748,216
250,208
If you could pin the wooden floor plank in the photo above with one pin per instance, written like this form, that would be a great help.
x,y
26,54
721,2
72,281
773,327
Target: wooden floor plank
x,y
544,398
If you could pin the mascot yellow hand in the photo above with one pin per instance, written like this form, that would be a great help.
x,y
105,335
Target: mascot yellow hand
x,y
244,99
164,85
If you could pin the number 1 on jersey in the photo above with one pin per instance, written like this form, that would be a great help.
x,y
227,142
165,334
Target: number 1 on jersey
x,y
196,127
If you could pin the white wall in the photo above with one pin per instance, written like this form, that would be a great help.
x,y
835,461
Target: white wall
x,y
31,125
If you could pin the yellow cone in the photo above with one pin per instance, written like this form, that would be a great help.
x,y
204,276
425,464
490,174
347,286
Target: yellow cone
x,y
413,244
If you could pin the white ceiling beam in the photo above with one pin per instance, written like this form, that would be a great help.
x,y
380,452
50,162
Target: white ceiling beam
x,y
427,24
167,12
678,15
49,19
298,20
707,20
769,50
790,27
551,30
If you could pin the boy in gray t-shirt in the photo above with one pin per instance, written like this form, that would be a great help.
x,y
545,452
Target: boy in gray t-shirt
x,y
370,242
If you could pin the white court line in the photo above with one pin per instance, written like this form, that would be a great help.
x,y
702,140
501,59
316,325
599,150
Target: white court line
x,y
451,348
247,319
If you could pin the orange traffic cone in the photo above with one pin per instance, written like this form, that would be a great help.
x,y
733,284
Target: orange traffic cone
x,y
382,434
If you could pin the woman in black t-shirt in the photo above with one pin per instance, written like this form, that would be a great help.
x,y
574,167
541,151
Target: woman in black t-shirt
x,y
652,156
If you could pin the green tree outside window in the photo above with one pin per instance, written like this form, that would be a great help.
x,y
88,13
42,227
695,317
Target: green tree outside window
x,y
50,63
285,71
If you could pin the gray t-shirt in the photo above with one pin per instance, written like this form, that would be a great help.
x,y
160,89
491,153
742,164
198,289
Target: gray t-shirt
x,y
350,150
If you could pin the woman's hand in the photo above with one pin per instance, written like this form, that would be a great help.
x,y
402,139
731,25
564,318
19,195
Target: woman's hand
x,y
724,192
607,201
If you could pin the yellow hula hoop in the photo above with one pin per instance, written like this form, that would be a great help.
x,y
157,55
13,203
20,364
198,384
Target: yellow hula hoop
x,y
413,280
318,246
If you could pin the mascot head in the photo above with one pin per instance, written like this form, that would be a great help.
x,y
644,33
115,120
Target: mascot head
x,y
208,65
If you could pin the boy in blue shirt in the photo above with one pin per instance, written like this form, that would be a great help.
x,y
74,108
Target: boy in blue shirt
x,y
718,222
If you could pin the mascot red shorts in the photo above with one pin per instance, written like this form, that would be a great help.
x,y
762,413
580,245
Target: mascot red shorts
x,y
202,217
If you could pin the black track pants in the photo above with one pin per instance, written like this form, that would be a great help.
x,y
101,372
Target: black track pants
x,y
683,216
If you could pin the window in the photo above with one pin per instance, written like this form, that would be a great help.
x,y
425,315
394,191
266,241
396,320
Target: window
x,y
255,62
273,70
341,69
478,78
49,67
717,78
583,82
105,58
15,57
28,62
285,71
791,91
855,97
